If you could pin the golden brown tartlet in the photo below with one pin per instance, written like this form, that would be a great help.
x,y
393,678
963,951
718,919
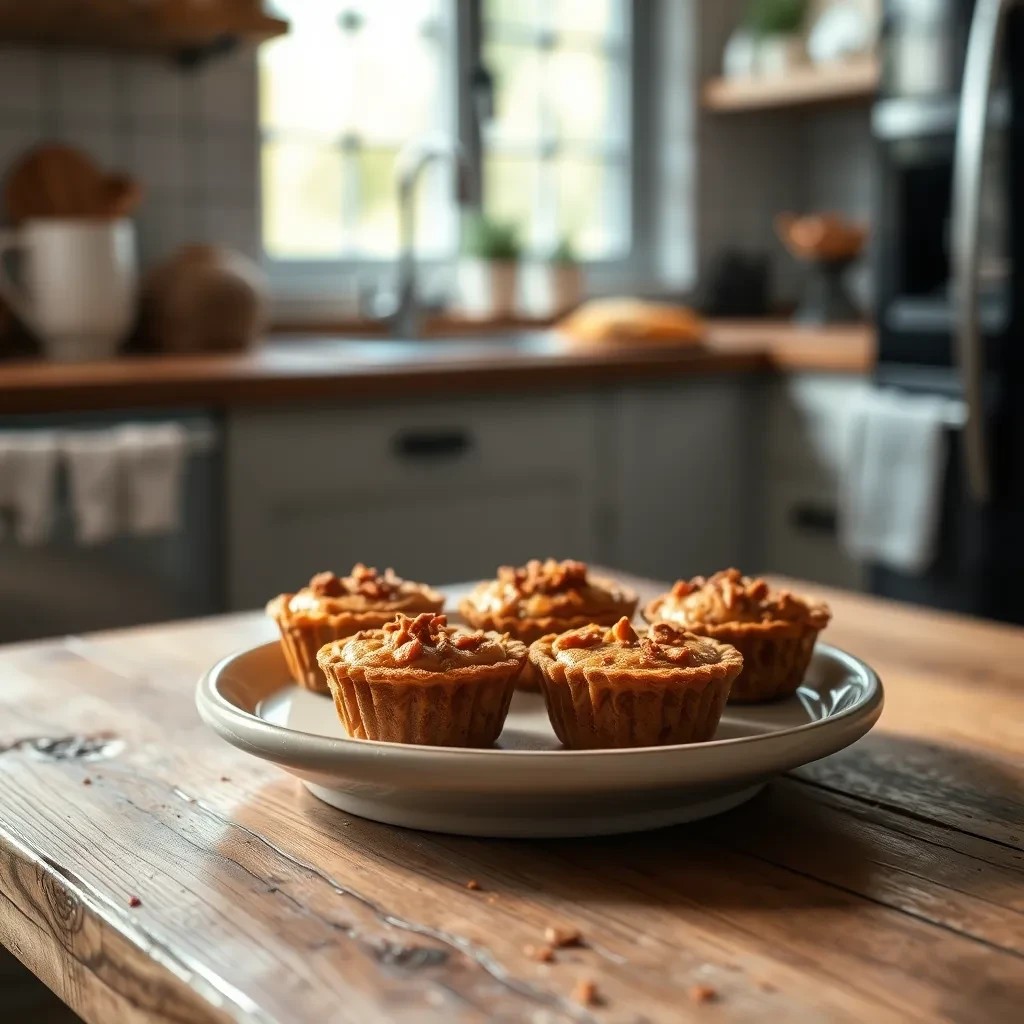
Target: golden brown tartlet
x,y
775,630
538,598
422,681
333,607
617,688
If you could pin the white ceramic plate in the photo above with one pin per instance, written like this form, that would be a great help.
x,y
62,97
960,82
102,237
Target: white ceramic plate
x,y
528,786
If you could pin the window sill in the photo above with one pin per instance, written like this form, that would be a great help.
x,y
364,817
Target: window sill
x,y
440,325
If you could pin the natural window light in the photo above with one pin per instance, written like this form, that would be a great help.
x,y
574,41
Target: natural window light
x,y
355,80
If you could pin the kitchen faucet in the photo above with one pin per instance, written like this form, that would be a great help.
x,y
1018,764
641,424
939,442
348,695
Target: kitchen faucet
x,y
411,162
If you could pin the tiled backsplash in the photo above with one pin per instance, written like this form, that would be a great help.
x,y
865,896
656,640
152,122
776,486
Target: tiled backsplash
x,y
190,136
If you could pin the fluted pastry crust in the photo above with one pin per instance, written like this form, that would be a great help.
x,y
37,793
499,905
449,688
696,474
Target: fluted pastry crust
x,y
423,681
332,607
619,688
775,631
543,597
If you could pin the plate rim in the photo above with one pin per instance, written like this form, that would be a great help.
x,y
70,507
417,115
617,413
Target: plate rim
x,y
214,707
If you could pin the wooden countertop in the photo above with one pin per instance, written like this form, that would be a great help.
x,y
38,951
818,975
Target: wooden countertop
x,y
298,368
883,884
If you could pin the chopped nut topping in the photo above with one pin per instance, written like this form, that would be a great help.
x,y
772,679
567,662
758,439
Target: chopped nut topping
x,y
683,587
547,577
363,580
407,637
585,636
326,584
562,937
702,994
585,993
542,954
622,632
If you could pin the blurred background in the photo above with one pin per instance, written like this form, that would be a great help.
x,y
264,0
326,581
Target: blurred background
x,y
443,284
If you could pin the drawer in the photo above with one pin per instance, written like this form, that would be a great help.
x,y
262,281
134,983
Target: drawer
x,y
399,447
801,539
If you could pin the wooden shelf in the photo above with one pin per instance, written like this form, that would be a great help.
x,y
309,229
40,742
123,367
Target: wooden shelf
x,y
156,27
848,82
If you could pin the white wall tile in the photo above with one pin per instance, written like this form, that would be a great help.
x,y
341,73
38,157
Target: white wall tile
x,y
165,223
159,161
233,227
154,92
21,81
103,143
84,86
16,138
224,91
228,164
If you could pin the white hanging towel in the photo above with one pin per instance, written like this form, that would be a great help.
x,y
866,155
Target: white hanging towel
x,y
93,460
28,481
891,493
153,457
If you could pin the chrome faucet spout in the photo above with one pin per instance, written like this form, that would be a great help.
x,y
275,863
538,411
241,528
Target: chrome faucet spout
x,y
412,161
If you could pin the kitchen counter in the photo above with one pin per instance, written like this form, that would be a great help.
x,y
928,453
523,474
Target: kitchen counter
x,y
302,368
150,872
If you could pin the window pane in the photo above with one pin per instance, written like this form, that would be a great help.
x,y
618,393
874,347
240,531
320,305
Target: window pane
x,y
517,93
302,201
605,18
510,191
397,72
526,13
593,208
579,93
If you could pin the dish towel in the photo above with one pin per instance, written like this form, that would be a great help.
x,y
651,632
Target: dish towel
x,y
92,459
28,482
891,493
153,457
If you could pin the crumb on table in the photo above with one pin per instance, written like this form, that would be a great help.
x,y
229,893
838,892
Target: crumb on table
x,y
542,954
702,994
585,993
562,937
473,884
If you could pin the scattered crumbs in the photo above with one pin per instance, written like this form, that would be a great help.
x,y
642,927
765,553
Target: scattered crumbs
x,y
585,993
542,954
134,901
473,884
766,986
702,994
225,778
562,937
492,899
87,781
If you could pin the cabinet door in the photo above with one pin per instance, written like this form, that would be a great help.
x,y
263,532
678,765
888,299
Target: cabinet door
x,y
683,503
442,492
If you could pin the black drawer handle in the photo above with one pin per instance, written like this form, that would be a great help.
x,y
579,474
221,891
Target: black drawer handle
x,y
432,444
814,518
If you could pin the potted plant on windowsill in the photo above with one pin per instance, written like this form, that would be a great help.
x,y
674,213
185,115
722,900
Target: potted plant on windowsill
x,y
489,267
554,285
776,26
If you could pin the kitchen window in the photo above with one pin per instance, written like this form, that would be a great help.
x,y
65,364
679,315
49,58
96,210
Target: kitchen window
x,y
355,80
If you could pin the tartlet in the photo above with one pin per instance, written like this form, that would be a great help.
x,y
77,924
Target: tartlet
x,y
774,630
419,680
614,687
542,597
332,607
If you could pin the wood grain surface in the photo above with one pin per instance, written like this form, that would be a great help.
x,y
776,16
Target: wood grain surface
x,y
150,872
304,368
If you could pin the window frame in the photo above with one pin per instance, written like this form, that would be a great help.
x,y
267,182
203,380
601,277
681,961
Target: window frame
x,y
320,288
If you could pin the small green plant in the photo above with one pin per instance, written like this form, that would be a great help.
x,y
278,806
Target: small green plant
x,y
564,253
488,239
775,17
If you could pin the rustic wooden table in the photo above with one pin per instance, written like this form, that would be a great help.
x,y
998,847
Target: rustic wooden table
x,y
150,872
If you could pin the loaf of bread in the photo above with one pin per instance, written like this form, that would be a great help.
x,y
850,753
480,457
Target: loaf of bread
x,y
631,320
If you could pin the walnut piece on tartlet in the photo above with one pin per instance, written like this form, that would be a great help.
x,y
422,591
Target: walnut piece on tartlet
x,y
615,687
331,607
420,680
774,630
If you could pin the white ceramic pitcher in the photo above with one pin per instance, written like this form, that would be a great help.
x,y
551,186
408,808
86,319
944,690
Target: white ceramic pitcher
x,y
78,284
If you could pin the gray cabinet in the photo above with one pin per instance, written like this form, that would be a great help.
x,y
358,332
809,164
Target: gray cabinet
x,y
440,490
802,452
683,479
